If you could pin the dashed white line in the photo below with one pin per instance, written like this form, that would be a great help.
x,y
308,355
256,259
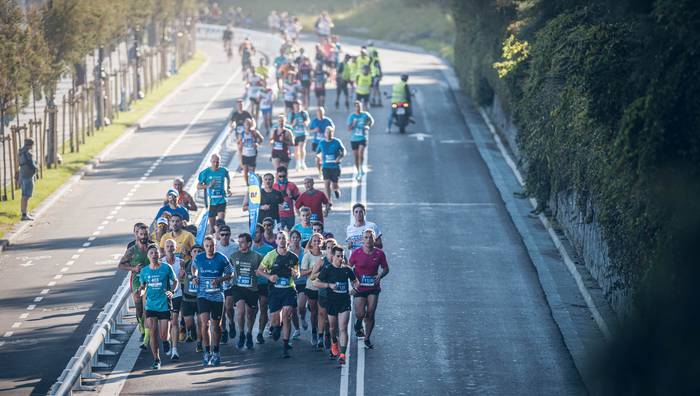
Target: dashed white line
x,y
45,291
101,227
75,256
92,238
31,307
121,204
64,269
38,299
81,250
24,316
16,325
112,213
8,334
59,276
98,232
86,244
52,283
69,263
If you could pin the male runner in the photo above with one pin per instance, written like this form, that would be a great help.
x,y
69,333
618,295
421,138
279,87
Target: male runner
x,y
216,182
133,260
237,122
226,247
290,193
213,269
355,231
172,207
331,152
313,199
189,302
318,130
270,199
245,288
248,143
299,121
304,227
280,267
184,198
359,123
262,248
184,239
370,266
177,264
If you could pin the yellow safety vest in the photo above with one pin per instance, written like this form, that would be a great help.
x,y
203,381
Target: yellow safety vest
x,y
374,70
360,63
364,82
398,92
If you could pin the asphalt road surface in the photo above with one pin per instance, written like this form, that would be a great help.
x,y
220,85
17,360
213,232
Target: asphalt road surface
x,y
462,311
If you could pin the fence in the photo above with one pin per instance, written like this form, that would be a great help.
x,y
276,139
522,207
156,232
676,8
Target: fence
x,y
80,110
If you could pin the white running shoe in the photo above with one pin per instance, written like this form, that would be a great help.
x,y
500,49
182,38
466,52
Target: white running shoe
x,y
296,334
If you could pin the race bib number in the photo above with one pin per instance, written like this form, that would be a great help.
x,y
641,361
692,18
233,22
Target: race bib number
x,y
244,281
278,146
341,287
239,129
330,158
367,280
192,288
209,287
282,282
156,284
249,152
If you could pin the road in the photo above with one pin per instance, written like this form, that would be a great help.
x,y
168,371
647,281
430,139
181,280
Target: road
x,y
462,311
57,277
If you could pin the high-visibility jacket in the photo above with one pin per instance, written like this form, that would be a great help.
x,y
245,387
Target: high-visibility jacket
x,y
351,67
398,92
361,62
364,82
375,68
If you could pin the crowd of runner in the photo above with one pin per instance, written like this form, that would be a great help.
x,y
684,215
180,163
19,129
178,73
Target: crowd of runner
x,y
208,286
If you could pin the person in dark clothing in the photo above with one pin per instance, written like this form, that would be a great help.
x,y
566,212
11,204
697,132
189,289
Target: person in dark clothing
x,y
25,177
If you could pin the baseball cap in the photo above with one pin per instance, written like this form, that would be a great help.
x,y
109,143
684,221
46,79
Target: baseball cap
x,y
174,192
162,220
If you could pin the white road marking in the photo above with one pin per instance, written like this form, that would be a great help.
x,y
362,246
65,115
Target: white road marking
x,y
16,325
8,334
81,250
96,232
2,343
59,276
64,269
69,263
101,227
24,316
92,238
31,307
75,256
45,291
360,373
51,284
38,299
27,264
86,244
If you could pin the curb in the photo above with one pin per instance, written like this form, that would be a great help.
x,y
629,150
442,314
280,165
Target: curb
x,y
49,201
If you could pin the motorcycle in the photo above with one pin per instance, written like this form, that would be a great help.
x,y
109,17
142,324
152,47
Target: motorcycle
x,y
401,115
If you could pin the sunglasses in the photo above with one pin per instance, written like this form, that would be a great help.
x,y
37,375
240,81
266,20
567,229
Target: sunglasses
x,y
267,225
224,234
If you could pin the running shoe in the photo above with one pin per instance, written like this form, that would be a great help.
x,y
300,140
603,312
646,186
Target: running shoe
x,y
215,360
261,339
249,341
276,332
224,337
341,359
337,194
199,348
143,347
285,351
296,334
175,356
359,331
319,344
241,342
189,337
166,347
368,344
155,365
334,349
314,339
206,360
358,177
232,331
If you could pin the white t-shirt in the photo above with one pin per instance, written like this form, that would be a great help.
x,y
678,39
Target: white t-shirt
x,y
354,233
176,269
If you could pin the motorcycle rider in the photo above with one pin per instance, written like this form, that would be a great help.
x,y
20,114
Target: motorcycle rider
x,y
400,93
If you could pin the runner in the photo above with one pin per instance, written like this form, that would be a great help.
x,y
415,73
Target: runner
x,y
299,284
290,193
299,120
237,122
183,197
359,123
184,239
305,78
278,62
280,140
158,281
318,130
269,236
133,260
270,200
324,340
171,206
317,228
248,142
212,269
366,262
330,152
313,199
216,182
227,249
320,78
245,288
304,227
376,71
335,279
290,90
312,256
255,83
280,267
262,248
355,231
246,50
267,98
161,227
189,302
176,263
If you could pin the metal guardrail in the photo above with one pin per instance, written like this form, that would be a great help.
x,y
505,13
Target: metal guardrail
x,y
80,367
